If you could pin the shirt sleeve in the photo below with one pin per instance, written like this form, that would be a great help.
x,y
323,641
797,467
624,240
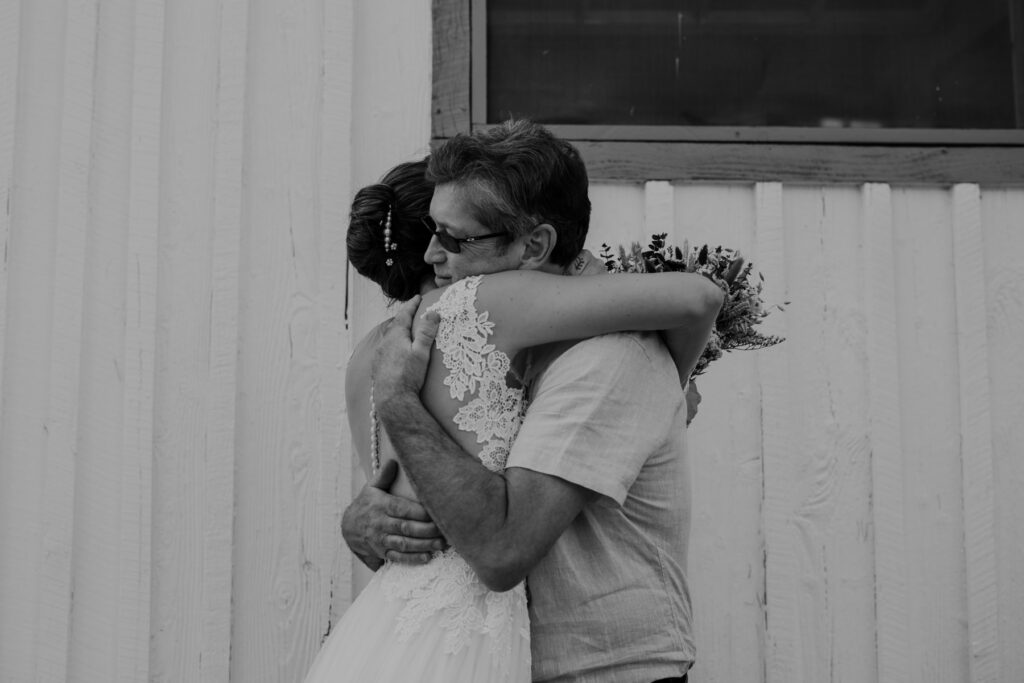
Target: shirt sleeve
x,y
598,411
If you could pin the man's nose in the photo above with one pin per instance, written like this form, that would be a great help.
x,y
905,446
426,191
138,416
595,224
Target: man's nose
x,y
434,252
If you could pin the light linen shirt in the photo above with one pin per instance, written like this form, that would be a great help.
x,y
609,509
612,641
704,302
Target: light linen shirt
x,y
609,602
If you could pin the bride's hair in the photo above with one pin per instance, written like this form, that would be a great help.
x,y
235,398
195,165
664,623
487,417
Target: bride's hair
x,y
406,193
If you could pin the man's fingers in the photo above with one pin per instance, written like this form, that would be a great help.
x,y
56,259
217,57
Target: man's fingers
x,y
425,330
404,544
403,508
404,315
411,529
408,558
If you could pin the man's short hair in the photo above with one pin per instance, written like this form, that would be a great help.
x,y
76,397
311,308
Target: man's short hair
x,y
517,175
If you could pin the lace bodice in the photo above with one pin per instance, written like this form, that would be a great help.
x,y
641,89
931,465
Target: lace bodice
x,y
477,371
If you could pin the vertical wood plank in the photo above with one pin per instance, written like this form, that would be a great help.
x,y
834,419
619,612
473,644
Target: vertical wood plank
x,y
834,513
225,242
34,589
782,621
391,102
1001,212
891,599
450,111
109,621
64,529
191,472
278,614
929,422
335,457
137,635
478,63
726,556
13,564
975,435
823,526
9,45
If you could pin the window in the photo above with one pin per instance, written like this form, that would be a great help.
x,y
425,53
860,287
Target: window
x,y
923,91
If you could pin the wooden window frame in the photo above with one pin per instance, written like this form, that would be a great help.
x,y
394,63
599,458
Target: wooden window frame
x,y
804,155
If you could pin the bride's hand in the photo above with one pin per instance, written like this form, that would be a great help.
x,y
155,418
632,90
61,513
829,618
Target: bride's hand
x,y
400,364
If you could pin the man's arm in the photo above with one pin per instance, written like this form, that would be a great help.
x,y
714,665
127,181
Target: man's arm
x,y
501,523
378,526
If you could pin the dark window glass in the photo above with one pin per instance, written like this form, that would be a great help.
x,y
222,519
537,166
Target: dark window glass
x,y
807,63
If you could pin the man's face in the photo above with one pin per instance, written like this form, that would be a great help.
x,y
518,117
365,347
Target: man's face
x,y
451,212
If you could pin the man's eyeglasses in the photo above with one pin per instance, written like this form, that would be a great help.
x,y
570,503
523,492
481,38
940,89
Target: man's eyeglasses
x,y
454,244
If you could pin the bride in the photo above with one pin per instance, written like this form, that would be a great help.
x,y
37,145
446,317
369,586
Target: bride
x,y
438,621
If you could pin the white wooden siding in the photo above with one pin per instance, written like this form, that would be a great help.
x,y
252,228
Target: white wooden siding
x,y
175,182
176,313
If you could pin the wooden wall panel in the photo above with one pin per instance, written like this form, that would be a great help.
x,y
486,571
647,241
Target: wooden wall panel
x,y
780,473
1003,237
10,25
192,471
333,577
126,149
975,434
36,538
726,562
929,410
109,618
892,613
832,519
74,543
285,486
818,555
142,205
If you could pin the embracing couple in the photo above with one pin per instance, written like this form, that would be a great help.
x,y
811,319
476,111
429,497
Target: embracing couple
x,y
524,430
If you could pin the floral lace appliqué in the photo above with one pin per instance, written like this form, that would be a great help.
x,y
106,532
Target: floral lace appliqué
x,y
447,584
476,367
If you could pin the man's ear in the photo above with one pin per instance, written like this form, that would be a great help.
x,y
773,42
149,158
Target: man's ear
x,y
537,247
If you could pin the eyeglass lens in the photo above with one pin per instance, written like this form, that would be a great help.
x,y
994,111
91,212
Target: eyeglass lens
x,y
448,243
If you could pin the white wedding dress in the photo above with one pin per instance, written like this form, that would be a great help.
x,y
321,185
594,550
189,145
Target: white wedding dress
x,y
437,622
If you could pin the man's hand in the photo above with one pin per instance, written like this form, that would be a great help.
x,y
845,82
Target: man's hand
x,y
379,526
400,364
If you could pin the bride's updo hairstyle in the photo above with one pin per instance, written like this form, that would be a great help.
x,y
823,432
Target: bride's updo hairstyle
x,y
395,260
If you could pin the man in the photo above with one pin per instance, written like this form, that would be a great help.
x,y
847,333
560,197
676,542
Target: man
x,y
594,503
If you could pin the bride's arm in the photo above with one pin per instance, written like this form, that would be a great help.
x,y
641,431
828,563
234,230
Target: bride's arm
x,y
532,308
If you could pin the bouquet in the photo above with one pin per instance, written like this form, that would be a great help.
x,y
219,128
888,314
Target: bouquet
x,y
743,310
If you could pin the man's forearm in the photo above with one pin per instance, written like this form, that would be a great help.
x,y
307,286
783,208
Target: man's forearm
x,y
501,523
465,499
